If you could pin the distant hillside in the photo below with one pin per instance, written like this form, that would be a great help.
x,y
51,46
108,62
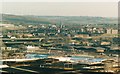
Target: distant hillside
x,y
66,20
23,19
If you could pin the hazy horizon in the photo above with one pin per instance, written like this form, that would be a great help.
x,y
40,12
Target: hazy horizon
x,y
55,15
92,9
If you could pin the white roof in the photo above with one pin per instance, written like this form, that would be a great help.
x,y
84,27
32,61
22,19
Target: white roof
x,y
19,60
4,66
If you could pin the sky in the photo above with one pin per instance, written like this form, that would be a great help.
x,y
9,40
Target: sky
x,y
103,9
59,0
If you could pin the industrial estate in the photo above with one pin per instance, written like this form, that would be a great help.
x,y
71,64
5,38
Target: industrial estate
x,y
59,45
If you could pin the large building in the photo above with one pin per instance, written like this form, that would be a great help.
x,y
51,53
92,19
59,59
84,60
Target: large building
x,y
115,31
112,31
109,31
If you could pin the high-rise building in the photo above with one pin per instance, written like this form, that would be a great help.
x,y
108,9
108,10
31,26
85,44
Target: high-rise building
x,y
109,31
112,31
115,31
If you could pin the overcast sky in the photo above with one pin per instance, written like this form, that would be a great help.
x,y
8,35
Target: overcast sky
x,y
104,9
